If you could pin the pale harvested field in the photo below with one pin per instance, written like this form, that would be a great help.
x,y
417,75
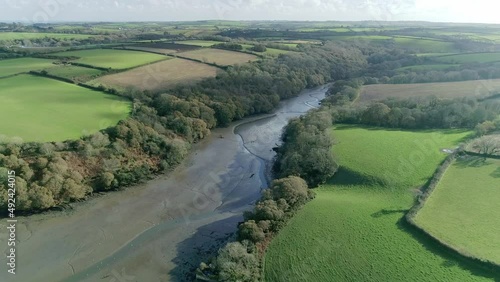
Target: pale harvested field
x,y
219,57
160,75
474,88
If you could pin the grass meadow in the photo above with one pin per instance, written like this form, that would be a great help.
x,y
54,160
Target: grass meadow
x,y
354,229
111,58
430,67
463,209
50,110
157,76
470,58
219,57
424,45
15,66
472,88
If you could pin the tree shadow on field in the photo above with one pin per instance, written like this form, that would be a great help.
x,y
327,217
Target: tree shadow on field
x,y
452,258
387,212
347,177
496,173
202,246
472,162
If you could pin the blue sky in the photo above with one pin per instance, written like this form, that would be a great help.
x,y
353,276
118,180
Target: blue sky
x,y
179,10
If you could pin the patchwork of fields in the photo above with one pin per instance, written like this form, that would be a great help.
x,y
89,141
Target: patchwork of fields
x,y
163,47
110,58
50,110
353,230
44,109
473,88
35,35
463,209
219,57
159,75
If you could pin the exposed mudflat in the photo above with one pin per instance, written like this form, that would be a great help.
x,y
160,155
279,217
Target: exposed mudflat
x,y
161,230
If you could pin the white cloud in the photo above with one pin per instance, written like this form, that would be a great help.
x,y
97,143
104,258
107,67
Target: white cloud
x,y
122,10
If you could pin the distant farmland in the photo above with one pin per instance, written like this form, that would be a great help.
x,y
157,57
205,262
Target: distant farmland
x,y
424,45
160,75
162,47
14,66
473,88
44,109
429,67
200,43
36,35
111,58
463,209
470,58
219,57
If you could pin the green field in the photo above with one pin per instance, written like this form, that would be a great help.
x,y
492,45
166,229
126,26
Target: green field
x,y
111,58
418,44
75,73
424,45
354,229
33,35
429,67
49,110
470,58
433,54
15,66
463,209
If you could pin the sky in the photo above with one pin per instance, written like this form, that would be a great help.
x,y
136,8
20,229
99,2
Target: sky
x,y
36,11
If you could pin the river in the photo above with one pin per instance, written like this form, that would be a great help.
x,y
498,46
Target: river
x,y
160,230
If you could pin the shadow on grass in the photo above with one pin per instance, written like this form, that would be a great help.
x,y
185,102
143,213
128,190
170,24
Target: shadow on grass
x,y
388,212
201,246
347,177
496,173
472,162
452,257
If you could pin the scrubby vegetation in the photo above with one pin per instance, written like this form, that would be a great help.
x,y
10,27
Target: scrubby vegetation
x,y
306,149
242,260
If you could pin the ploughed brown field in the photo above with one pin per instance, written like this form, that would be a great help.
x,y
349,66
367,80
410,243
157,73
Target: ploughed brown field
x,y
473,88
219,57
160,75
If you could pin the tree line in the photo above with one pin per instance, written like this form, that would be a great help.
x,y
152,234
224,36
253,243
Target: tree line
x,y
420,113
